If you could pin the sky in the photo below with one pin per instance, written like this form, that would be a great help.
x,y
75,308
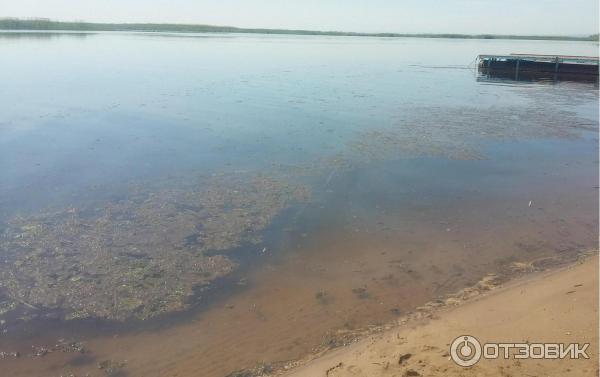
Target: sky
x,y
548,17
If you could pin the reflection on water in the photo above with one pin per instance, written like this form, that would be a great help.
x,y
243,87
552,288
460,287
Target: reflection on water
x,y
291,193
499,76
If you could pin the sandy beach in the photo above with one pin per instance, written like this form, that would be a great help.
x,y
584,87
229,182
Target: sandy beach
x,y
552,306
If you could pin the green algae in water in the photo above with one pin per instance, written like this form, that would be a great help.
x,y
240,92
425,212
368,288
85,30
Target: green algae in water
x,y
140,257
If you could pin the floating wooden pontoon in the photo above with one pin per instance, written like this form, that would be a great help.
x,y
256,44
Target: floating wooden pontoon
x,y
551,66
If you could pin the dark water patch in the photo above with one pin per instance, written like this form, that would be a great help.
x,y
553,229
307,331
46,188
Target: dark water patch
x,y
140,257
25,322
82,360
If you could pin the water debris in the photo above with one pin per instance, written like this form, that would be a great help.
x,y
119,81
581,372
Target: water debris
x,y
261,369
112,368
138,257
6,306
456,133
323,298
361,293
339,338
61,346
9,355
338,365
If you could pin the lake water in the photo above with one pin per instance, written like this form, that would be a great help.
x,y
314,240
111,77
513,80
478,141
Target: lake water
x,y
200,204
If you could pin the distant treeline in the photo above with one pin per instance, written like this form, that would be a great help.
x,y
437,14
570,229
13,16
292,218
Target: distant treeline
x,y
49,25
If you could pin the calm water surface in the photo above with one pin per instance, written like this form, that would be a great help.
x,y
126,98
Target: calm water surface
x,y
418,179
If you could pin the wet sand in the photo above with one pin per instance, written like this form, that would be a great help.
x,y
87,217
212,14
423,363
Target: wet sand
x,y
558,306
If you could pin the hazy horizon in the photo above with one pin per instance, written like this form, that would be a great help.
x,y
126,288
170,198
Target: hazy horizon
x,y
548,17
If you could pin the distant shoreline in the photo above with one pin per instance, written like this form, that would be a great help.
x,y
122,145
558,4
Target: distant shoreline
x,y
14,24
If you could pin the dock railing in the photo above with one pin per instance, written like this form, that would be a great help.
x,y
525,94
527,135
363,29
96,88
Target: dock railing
x,y
592,60
538,64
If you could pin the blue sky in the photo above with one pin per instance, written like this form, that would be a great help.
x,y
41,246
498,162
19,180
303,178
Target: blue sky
x,y
556,17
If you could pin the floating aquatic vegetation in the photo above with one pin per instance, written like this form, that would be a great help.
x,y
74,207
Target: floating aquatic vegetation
x,y
456,133
361,293
389,144
261,369
112,367
7,306
444,132
323,298
138,257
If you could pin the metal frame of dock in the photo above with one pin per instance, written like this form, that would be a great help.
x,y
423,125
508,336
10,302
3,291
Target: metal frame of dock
x,y
586,66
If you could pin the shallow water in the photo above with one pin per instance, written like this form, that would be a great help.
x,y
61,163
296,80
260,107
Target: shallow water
x,y
418,179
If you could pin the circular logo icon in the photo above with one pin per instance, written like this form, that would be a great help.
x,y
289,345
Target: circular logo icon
x,y
465,350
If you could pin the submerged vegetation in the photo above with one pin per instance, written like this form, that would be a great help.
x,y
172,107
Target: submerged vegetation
x,y
147,254
138,257
49,25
